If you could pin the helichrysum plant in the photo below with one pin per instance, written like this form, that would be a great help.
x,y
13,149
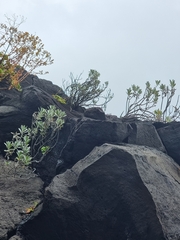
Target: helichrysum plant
x,y
20,146
30,145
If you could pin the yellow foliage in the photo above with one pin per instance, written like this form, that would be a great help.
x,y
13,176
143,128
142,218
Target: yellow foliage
x,y
59,99
20,53
31,208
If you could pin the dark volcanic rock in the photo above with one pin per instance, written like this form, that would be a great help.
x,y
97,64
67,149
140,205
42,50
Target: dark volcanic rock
x,y
20,189
144,133
17,108
44,85
170,135
116,192
79,135
47,168
89,133
95,113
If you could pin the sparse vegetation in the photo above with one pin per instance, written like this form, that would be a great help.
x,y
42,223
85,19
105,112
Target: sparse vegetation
x,y
30,145
87,93
154,104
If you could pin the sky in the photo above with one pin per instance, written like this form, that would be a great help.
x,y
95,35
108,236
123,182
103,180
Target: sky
x,y
126,41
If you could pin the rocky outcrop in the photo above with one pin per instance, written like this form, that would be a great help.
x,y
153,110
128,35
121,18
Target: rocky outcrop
x,y
116,192
89,133
106,178
17,108
81,133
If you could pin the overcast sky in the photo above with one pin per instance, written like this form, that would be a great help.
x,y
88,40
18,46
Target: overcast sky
x,y
126,41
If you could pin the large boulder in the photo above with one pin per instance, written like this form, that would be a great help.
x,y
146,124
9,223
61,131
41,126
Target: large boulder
x,y
79,136
116,192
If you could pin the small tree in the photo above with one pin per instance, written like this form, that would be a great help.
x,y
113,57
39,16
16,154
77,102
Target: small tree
x,y
87,93
141,105
20,53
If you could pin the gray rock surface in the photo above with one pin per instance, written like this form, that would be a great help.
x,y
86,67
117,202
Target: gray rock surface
x,y
170,135
15,237
95,113
89,133
116,192
145,134
17,107
146,180
20,189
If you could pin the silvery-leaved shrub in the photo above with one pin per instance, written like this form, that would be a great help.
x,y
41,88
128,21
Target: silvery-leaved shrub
x,y
20,146
30,145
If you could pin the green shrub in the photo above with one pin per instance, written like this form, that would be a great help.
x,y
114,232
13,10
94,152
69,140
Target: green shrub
x,y
32,144
88,93
20,145
155,103
45,149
